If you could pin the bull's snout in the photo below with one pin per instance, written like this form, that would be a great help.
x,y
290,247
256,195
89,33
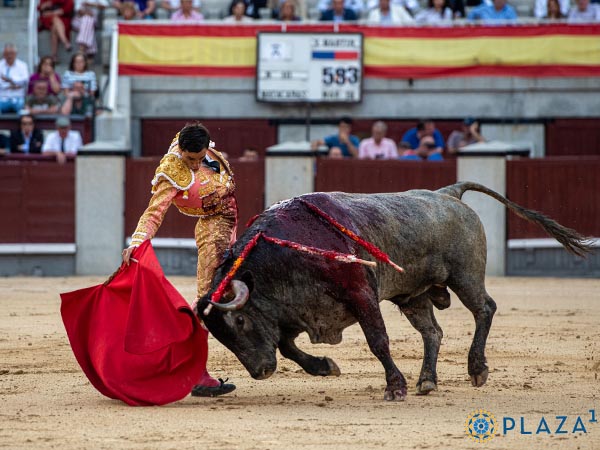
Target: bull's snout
x,y
264,373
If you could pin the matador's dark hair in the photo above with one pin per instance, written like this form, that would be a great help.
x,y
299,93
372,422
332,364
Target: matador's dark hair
x,y
194,137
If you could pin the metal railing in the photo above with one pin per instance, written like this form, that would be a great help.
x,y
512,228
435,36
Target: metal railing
x,y
113,69
32,35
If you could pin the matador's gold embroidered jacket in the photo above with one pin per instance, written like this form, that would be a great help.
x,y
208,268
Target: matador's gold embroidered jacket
x,y
205,194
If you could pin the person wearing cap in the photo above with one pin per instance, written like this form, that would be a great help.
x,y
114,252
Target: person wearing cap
x,y
198,180
63,141
468,134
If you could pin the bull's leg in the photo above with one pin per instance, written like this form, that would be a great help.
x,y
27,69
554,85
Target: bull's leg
x,y
419,312
483,307
369,317
311,364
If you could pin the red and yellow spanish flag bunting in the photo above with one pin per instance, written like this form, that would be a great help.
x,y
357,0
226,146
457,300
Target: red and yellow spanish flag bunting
x,y
389,52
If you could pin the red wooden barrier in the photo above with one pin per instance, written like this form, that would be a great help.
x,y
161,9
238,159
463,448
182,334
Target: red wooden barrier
x,y
566,189
570,137
230,136
382,176
37,199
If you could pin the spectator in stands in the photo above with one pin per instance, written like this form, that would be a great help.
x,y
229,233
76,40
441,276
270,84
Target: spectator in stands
x,y
458,8
412,6
424,127
78,71
346,141
63,141
41,101
287,12
27,138
85,22
438,12
56,16
238,13
584,12
551,9
186,13
250,154
252,7
3,143
128,11
357,6
390,14
425,151
299,8
78,101
145,9
174,5
14,76
45,71
335,153
498,11
338,13
468,134
378,146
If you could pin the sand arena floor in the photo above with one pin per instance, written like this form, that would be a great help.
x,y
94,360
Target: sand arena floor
x,y
543,352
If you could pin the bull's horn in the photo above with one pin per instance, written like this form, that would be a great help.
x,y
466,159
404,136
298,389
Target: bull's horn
x,y
242,293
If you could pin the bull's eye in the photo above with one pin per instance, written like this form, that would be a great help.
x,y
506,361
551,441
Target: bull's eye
x,y
239,320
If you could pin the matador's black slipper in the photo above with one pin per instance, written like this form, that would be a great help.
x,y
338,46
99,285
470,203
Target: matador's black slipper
x,y
214,391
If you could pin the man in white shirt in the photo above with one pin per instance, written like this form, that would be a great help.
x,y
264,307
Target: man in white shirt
x,y
584,12
14,76
355,5
63,141
412,6
390,14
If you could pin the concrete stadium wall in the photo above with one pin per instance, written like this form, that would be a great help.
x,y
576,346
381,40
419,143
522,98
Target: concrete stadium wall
x,y
523,100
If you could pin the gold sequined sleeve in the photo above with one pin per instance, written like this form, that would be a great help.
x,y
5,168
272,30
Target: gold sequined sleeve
x,y
148,225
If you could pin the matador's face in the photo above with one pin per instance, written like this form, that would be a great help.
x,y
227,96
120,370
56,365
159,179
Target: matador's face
x,y
193,159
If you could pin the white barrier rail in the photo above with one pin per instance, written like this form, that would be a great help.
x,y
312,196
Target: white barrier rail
x,y
32,35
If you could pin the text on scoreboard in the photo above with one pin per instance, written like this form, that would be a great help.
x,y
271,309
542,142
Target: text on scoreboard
x,y
307,67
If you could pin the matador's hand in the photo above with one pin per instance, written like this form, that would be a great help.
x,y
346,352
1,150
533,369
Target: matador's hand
x,y
126,254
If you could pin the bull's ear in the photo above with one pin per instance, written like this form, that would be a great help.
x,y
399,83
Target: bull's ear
x,y
248,278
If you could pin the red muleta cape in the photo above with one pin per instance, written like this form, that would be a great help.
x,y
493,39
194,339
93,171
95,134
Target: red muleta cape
x,y
136,338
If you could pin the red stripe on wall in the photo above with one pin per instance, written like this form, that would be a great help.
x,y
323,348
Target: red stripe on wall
x,y
516,71
204,71
471,31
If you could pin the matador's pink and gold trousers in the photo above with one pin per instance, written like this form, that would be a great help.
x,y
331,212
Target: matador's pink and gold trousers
x,y
214,234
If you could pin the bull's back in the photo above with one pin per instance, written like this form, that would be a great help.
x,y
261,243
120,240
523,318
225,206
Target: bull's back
x,y
428,233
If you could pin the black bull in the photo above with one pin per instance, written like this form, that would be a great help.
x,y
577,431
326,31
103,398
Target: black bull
x,y
434,236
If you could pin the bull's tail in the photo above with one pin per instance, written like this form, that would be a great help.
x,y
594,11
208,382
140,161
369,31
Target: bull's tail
x,y
569,238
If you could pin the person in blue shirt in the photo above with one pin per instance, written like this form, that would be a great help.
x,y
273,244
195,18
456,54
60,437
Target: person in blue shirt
x,y
499,10
424,127
346,142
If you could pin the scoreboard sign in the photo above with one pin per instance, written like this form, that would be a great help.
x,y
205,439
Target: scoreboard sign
x,y
309,68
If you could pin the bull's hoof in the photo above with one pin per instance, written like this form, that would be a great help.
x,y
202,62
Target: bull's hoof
x,y
425,387
479,380
334,370
395,395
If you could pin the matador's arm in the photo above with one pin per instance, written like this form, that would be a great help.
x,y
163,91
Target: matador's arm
x,y
150,221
